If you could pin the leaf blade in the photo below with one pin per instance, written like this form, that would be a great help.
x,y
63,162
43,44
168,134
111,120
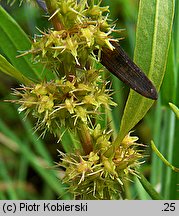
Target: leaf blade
x,y
14,39
152,44
8,69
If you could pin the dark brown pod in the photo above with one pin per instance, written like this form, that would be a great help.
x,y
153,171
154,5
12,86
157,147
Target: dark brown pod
x,y
119,64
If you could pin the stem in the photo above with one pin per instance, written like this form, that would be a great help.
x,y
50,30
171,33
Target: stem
x,y
149,188
85,138
52,8
164,160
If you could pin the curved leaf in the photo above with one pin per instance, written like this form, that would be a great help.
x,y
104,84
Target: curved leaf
x,y
153,36
175,109
8,69
14,39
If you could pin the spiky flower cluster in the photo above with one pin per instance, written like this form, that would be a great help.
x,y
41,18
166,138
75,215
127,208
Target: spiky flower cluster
x,y
97,176
85,29
65,102
73,101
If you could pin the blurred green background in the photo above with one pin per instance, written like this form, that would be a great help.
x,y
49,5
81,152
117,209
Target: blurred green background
x,y
26,161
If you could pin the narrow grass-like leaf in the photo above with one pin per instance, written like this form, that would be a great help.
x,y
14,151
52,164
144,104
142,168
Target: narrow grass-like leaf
x,y
5,178
14,39
49,177
175,109
148,187
169,82
174,180
174,186
8,69
154,26
166,136
141,192
166,162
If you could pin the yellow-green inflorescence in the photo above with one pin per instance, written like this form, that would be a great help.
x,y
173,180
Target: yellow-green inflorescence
x,y
85,29
76,97
64,103
96,176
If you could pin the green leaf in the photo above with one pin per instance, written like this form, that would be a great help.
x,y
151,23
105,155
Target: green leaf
x,y
12,40
8,69
169,85
162,158
153,36
49,177
175,109
148,187
175,150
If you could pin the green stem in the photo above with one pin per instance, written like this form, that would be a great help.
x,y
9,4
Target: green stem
x,y
149,188
52,9
85,138
154,148
175,109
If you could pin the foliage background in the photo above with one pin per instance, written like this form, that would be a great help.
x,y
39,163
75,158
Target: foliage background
x,y
26,162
